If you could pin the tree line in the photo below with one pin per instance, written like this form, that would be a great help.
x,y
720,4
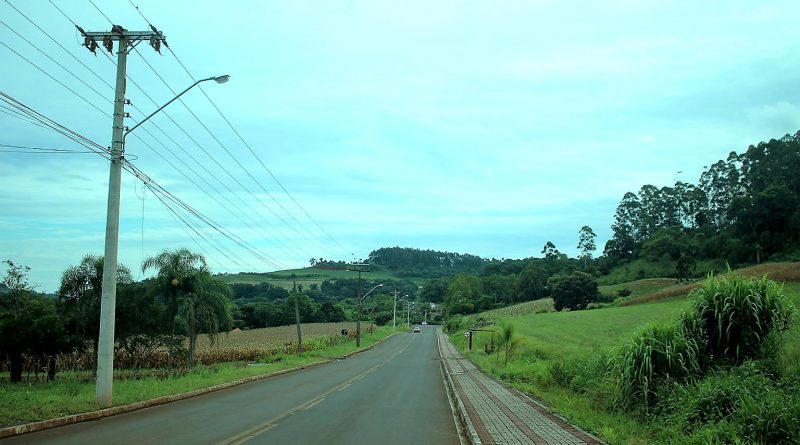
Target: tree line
x,y
570,282
744,209
407,262
166,312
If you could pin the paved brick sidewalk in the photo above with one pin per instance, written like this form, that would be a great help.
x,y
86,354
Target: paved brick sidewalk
x,y
495,414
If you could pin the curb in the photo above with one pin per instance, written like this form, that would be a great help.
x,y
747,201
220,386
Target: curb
x,y
113,411
466,422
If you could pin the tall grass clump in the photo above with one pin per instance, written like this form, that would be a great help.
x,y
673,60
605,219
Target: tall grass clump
x,y
733,320
657,353
740,316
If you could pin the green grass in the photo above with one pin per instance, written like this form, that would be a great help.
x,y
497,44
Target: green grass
x,y
790,352
29,402
572,334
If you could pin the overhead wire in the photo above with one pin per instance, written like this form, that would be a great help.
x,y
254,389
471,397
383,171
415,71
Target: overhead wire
x,y
203,166
12,148
272,260
260,161
56,80
56,62
36,117
214,159
156,188
107,84
61,130
48,123
55,126
258,158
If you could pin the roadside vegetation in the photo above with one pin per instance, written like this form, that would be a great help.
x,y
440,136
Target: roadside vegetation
x,y
721,366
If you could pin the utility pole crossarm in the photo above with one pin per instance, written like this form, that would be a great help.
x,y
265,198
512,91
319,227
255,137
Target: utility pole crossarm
x,y
129,35
124,37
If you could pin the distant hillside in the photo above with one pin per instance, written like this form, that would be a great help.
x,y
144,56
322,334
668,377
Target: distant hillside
x,y
386,263
306,277
418,263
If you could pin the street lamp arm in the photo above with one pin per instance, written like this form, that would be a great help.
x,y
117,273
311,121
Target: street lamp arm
x,y
370,291
218,79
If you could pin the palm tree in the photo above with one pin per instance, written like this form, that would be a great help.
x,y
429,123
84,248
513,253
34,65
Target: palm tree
x,y
507,340
208,308
174,281
80,292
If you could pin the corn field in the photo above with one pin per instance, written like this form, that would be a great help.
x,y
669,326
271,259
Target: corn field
x,y
251,345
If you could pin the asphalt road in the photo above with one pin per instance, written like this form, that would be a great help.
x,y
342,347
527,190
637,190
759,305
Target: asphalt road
x,y
392,394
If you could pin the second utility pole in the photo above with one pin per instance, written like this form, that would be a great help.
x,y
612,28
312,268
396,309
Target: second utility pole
x,y
394,310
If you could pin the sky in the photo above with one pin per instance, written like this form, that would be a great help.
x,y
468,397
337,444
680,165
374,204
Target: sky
x,y
487,128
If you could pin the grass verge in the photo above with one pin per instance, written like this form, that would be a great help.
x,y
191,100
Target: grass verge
x,y
30,402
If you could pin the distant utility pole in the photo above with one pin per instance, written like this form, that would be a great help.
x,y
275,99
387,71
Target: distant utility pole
x,y
297,318
394,311
357,267
105,345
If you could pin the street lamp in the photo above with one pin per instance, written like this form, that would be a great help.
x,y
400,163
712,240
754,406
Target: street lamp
x,y
108,299
358,314
219,79
408,313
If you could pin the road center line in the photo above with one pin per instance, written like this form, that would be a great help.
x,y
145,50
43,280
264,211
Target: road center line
x,y
261,428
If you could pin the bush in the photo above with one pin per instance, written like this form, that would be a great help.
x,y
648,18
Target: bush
x,y
574,291
737,405
454,323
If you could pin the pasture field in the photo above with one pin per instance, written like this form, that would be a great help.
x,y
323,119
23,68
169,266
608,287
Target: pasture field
x,y
72,394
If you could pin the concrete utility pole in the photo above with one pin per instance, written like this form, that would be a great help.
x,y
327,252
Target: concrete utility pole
x,y
394,311
105,344
297,318
358,268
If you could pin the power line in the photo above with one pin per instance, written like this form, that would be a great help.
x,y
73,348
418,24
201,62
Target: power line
x,y
152,185
260,161
56,80
151,99
11,148
58,43
297,203
54,126
222,167
56,62
101,12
